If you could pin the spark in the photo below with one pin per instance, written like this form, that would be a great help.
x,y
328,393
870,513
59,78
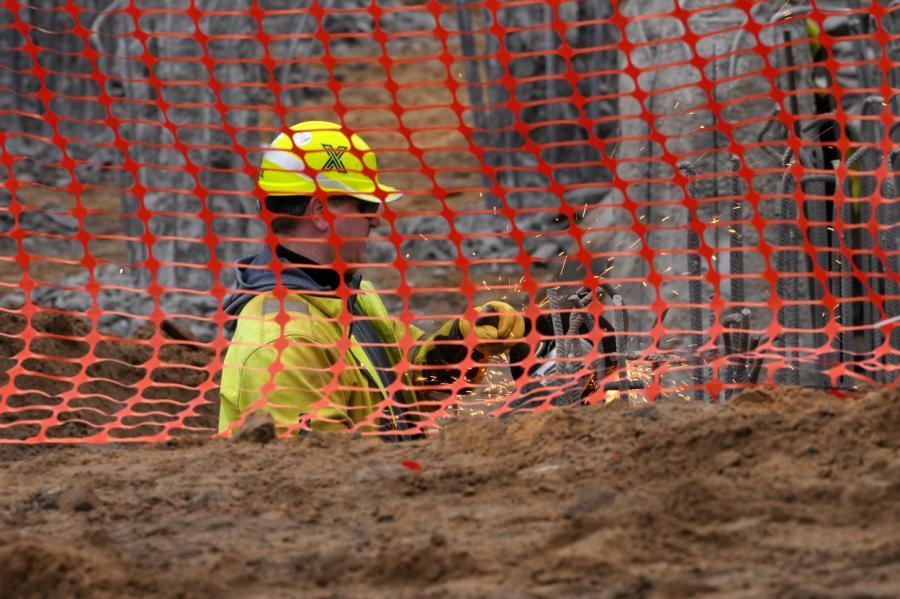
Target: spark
x,y
634,371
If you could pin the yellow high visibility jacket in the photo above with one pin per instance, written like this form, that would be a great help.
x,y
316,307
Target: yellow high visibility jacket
x,y
284,359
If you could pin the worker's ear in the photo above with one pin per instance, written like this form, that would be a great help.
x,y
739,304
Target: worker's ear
x,y
316,211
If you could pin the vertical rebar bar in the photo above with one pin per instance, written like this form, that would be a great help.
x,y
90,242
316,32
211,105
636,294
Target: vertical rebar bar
x,y
695,286
470,65
480,116
736,255
788,259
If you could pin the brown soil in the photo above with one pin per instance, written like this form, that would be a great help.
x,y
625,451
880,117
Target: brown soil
x,y
107,388
782,492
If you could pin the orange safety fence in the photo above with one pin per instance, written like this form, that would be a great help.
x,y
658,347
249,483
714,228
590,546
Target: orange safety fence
x,y
683,198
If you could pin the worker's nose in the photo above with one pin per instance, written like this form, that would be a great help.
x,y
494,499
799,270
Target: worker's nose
x,y
374,222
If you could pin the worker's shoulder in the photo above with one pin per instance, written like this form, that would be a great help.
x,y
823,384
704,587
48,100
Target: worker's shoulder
x,y
263,319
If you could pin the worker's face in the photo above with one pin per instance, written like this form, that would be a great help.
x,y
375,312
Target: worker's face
x,y
353,221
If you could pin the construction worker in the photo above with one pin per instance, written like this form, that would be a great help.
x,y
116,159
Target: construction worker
x,y
300,350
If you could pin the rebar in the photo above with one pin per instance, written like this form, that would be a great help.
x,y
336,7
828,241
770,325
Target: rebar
x,y
573,393
621,338
736,256
695,287
787,260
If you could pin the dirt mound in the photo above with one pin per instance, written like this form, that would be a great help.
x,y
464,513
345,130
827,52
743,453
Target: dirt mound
x,y
782,492
49,569
121,386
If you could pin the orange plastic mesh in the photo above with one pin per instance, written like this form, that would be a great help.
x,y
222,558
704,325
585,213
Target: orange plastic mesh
x,y
719,176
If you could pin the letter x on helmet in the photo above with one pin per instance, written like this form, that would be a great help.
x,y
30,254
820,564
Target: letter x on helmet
x,y
321,156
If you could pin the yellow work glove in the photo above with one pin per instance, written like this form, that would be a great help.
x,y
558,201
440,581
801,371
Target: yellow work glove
x,y
499,325
501,328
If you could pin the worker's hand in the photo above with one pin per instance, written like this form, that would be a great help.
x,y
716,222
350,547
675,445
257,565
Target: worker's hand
x,y
498,325
501,327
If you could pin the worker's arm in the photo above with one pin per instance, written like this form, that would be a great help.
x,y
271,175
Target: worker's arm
x,y
300,373
402,330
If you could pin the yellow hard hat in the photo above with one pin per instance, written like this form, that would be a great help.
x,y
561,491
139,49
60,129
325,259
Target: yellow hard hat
x,y
321,156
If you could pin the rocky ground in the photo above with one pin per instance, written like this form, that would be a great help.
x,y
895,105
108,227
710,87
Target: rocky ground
x,y
782,492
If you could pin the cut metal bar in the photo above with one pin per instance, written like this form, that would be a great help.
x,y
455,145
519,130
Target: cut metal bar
x,y
756,366
573,395
621,337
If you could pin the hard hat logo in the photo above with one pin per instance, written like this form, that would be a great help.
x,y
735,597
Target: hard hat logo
x,y
334,158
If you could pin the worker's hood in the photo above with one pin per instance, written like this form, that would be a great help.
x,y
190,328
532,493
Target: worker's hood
x,y
254,275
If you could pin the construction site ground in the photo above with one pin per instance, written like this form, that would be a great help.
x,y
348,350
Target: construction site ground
x,y
782,492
